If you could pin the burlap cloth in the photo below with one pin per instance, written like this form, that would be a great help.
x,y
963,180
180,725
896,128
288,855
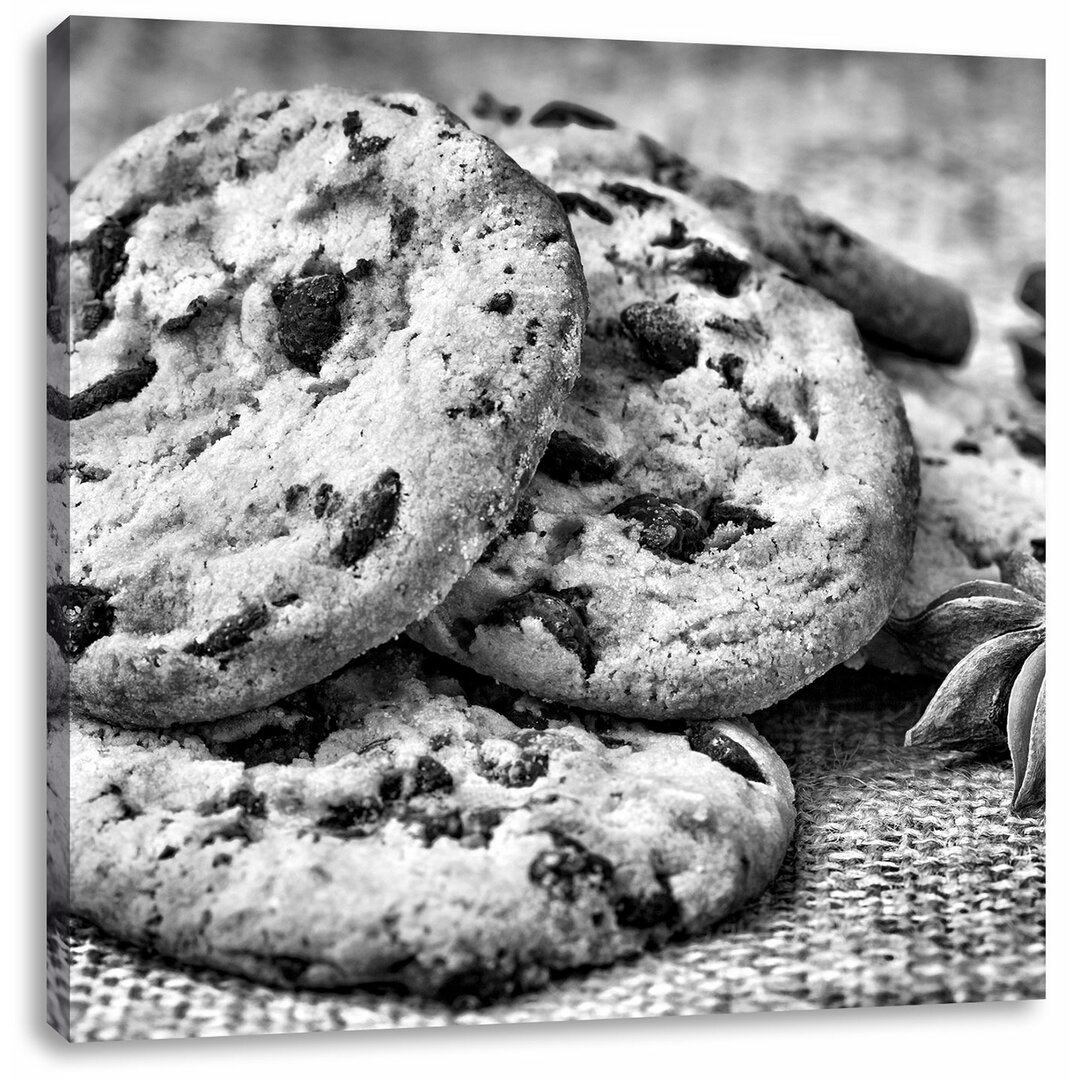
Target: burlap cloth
x,y
908,880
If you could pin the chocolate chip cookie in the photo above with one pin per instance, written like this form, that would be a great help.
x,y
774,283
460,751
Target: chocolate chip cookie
x,y
408,823
890,300
727,506
317,341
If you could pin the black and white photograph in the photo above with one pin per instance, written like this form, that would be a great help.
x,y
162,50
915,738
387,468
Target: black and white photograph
x,y
540,528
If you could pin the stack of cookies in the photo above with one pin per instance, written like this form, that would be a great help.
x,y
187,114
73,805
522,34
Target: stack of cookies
x,y
429,505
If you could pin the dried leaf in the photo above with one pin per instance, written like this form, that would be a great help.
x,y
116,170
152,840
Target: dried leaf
x,y
1027,732
943,633
970,709
1025,572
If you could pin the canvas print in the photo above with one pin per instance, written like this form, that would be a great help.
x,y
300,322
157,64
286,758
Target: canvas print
x,y
539,528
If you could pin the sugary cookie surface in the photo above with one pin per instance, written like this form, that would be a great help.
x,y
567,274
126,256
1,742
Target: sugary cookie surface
x,y
405,822
726,507
315,342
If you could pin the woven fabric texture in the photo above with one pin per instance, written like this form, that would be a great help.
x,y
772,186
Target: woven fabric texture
x,y
908,881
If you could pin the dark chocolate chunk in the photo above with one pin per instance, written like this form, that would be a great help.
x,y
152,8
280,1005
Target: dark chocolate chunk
x,y
76,616
54,302
363,146
253,805
780,425
408,110
120,386
191,313
629,195
364,268
1032,350
966,446
572,201
556,615
324,495
1032,289
354,817
519,523
431,776
569,870
665,338
274,745
501,303
666,527
187,137
1038,549
217,123
107,256
1029,443
402,221
81,470
243,169
561,113
293,494
309,320
713,266
731,366
568,457
677,236
524,772
370,519
643,912
720,512
233,632
488,107
721,748
666,167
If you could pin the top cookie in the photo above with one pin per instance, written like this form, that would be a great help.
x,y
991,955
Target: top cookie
x,y
317,340
891,301
728,505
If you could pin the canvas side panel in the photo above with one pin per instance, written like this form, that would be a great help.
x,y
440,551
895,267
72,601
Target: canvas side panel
x,y
57,485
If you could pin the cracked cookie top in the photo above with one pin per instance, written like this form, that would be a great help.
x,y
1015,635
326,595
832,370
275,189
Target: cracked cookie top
x,y
437,831
727,505
315,341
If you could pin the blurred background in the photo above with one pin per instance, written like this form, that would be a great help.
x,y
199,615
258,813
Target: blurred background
x,y
940,159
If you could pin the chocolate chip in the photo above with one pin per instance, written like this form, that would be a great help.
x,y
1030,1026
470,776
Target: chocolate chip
x,y
665,338
666,167
54,302
170,851
1032,350
365,145
677,236
1028,443
704,739
293,494
309,321
107,255
781,427
488,107
568,457
232,633
76,616
555,614
364,268
731,366
408,110
324,495
522,519
354,817
1038,549
720,512
569,870
187,137
643,912
370,520
572,201
629,195
81,470
666,527
713,266
501,303
431,776
402,221
1032,290
273,745
191,313
966,446
253,805
120,386
561,113
217,123
242,170
522,772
